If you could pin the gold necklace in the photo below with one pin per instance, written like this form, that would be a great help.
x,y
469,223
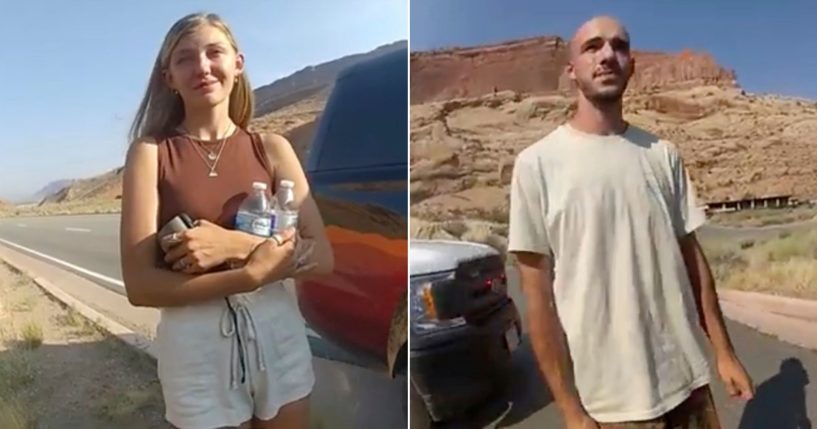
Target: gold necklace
x,y
211,155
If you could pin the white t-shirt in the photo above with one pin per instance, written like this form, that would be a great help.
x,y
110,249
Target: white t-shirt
x,y
610,211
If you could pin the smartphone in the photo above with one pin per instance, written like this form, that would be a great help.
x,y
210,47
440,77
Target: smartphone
x,y
179,223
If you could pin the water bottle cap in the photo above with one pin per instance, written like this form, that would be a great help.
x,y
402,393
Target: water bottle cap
x,y
287,184
259,185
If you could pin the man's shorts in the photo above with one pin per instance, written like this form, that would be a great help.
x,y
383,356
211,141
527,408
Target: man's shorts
x,y
697,412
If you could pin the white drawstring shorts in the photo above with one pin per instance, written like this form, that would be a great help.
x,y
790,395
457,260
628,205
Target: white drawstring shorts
x,y
220,365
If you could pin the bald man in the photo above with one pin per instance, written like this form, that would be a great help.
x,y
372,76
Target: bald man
x,y
620,297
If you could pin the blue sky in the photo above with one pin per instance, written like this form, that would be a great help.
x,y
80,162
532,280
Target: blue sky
x,y
770,44
75,71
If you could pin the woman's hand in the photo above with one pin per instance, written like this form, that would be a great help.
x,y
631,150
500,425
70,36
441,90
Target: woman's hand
x,y
199,249
279,257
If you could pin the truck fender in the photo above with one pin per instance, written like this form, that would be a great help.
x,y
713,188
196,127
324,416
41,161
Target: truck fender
x,y
398,333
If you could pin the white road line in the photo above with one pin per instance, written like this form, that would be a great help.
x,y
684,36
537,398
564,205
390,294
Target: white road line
x,y
97,276
77,229
68,265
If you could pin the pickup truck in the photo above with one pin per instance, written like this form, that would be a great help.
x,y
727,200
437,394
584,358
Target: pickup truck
x,y
357,168
464,327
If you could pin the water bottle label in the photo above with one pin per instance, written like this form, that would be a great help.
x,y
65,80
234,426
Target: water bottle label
x,y
285,219
257,225
273,221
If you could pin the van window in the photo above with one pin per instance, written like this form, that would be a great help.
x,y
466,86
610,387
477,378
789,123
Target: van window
x,y
367,119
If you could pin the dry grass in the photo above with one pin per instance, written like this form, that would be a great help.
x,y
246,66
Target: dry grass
x,y
15,415
23,306
16,375
765,217
122,404
31,335
786,265
16,371
57,370
81,326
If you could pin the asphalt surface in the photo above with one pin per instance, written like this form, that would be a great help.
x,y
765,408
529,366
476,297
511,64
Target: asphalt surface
x,y
781,392
347,394
91,242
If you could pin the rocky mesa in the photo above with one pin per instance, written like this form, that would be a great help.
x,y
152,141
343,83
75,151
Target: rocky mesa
x,y
537,66
465,136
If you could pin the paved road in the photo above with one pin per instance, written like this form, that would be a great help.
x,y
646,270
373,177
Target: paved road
x,y
91,242
527,403
347,394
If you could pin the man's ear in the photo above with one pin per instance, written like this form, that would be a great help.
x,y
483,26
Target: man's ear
x,y
570,71
632,66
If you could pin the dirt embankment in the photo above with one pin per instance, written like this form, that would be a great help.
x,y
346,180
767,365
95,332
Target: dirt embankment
x,y
58,371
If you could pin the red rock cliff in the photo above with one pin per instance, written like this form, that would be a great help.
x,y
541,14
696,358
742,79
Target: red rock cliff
x,y
536,65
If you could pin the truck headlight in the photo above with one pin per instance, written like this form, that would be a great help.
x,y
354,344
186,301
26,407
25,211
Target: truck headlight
x,y
426,312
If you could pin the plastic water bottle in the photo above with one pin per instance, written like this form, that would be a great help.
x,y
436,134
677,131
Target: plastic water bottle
x,y
254,212
285,213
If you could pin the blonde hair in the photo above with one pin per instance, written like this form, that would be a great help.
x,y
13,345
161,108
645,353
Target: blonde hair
x,y
161,110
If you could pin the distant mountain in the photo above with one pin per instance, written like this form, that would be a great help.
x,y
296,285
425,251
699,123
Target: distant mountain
x,y
296,100
311,80
105,186
50,189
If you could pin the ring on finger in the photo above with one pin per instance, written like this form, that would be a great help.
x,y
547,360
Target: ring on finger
x,y
276,238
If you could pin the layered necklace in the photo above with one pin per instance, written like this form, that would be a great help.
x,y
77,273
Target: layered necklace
x,y
211,157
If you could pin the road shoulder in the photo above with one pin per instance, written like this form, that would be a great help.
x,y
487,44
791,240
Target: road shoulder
x,y
110,309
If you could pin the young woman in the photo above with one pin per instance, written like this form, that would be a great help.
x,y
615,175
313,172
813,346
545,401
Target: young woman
x,y
232,346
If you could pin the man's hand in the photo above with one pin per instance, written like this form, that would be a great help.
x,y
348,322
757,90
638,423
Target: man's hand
x,y
735,378
547,337
582,422
199,249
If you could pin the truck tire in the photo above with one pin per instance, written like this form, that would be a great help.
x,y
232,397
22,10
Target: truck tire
x,y
420,419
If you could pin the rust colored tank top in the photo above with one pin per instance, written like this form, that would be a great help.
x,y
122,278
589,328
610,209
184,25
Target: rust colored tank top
x,y
184,184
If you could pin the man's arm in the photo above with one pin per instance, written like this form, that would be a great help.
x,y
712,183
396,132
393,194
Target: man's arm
x,y
687,217
548,338
731,371
706,298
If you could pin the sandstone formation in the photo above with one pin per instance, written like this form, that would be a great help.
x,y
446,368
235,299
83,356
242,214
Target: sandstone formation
x,y
464,137
537,66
